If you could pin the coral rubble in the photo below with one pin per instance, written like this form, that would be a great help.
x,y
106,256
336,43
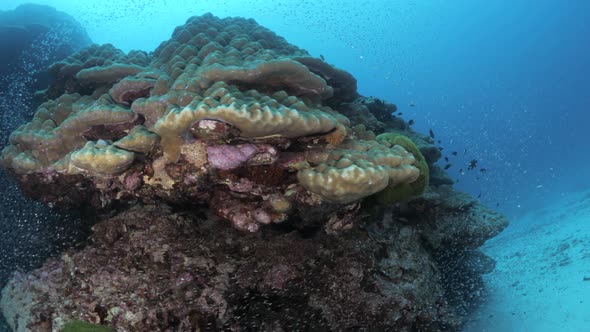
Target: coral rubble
x,y
335,222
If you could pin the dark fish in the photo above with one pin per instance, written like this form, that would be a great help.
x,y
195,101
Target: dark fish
x,y
447,166
322,57
412,104
472,164
479,196
439,141
457,181
431,133
446,159
411,122
454,153
483,170
461,170
497,204
400,113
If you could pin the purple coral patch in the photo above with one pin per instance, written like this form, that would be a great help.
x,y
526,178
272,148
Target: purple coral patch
x,y
230,156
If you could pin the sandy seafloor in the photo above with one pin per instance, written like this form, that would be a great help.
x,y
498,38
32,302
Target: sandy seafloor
x,y
542,277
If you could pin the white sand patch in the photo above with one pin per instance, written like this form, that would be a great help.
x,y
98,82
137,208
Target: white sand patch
x,y
539,283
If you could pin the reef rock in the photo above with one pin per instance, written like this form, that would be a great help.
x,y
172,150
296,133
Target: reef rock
x,y
150,269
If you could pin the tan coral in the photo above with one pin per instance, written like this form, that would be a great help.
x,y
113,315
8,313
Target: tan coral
x,y
108,74
252,114
130,89
65,71
153,108
21,162
207,50
139,139
361,132
94,55
287,73
345,181
230,42
101,158
92,115
356,169
342,82
56,130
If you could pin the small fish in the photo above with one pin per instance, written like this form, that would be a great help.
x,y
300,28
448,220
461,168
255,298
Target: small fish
x,y
446,159
483,170
479,196
400,113
460,170
457,181
412,104
497,204
454,153
411,122
322,57
447,166
431,133
464,151
439,141
472,164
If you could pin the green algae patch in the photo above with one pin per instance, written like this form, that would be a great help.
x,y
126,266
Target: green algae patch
x,y
81,326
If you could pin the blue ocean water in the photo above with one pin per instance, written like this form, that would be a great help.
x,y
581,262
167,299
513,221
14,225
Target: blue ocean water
x,y
502,82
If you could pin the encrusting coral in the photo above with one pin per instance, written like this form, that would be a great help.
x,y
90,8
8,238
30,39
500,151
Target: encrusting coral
x,y
227,121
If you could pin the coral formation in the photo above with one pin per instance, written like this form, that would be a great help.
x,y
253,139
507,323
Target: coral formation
x,y
254,115
101,158
250,99
357,169
228,122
